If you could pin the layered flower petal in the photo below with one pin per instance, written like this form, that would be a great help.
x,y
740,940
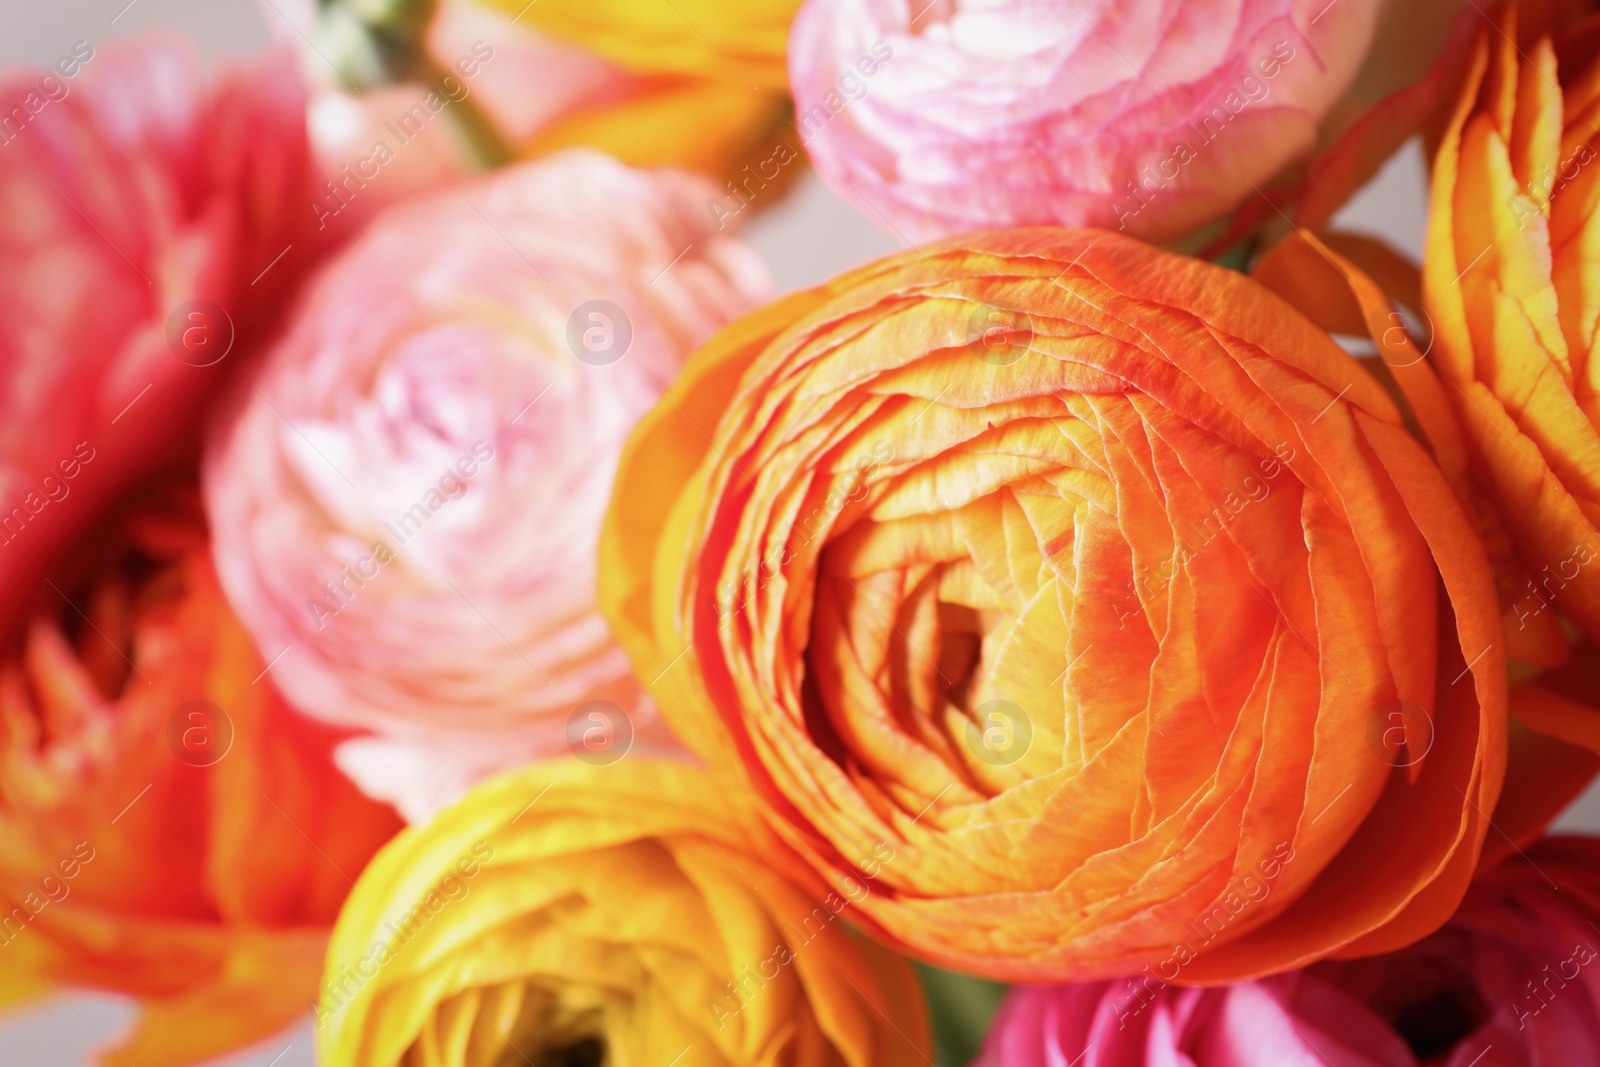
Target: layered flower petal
x,y
700,84
721,39
1506,981
407,503
1554,742
629,915
1093,582
1150,117
169,829
151,223
1509,279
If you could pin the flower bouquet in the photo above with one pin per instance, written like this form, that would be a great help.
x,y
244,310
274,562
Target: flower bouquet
x,y
472,592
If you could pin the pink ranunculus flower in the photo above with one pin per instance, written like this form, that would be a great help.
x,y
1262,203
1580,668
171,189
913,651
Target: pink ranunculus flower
x,y
1512,980
406,507
1153,116
131,186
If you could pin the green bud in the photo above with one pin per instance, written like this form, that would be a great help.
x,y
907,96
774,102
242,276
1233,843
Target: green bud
x,y
373,42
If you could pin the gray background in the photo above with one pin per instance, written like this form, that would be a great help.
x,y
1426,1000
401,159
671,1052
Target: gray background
x,y
807,237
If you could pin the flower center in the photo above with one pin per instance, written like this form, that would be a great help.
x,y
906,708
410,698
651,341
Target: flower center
x,y
584,1052
1439,1019
1432,1003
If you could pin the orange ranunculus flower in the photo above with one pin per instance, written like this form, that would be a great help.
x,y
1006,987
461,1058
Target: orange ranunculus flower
x,y
169,829
1512,285
574,914
1355,286
1098,584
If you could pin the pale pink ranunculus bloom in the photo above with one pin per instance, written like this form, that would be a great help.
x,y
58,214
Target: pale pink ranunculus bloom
x,y
1512,980
131,185
1155,116
406,506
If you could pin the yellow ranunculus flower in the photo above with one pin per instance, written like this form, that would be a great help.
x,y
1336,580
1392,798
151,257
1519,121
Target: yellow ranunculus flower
x,y
708,84
628,915
1512,286
723,40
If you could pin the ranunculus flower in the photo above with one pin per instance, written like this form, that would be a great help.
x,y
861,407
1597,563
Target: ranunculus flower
x,y
406,508
130,187
622,915
1096,583
940,116
708,85
169,829
726,40
1508,981
1509,277
1553,746
701,86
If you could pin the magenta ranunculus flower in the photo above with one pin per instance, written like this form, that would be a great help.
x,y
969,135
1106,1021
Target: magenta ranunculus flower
x,y
1154,116
1512,980
151,222
407,504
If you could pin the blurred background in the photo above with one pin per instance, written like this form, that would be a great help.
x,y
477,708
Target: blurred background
x,y
805,238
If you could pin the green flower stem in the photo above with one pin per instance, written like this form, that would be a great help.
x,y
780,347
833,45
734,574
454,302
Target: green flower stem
x,y
961,1007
